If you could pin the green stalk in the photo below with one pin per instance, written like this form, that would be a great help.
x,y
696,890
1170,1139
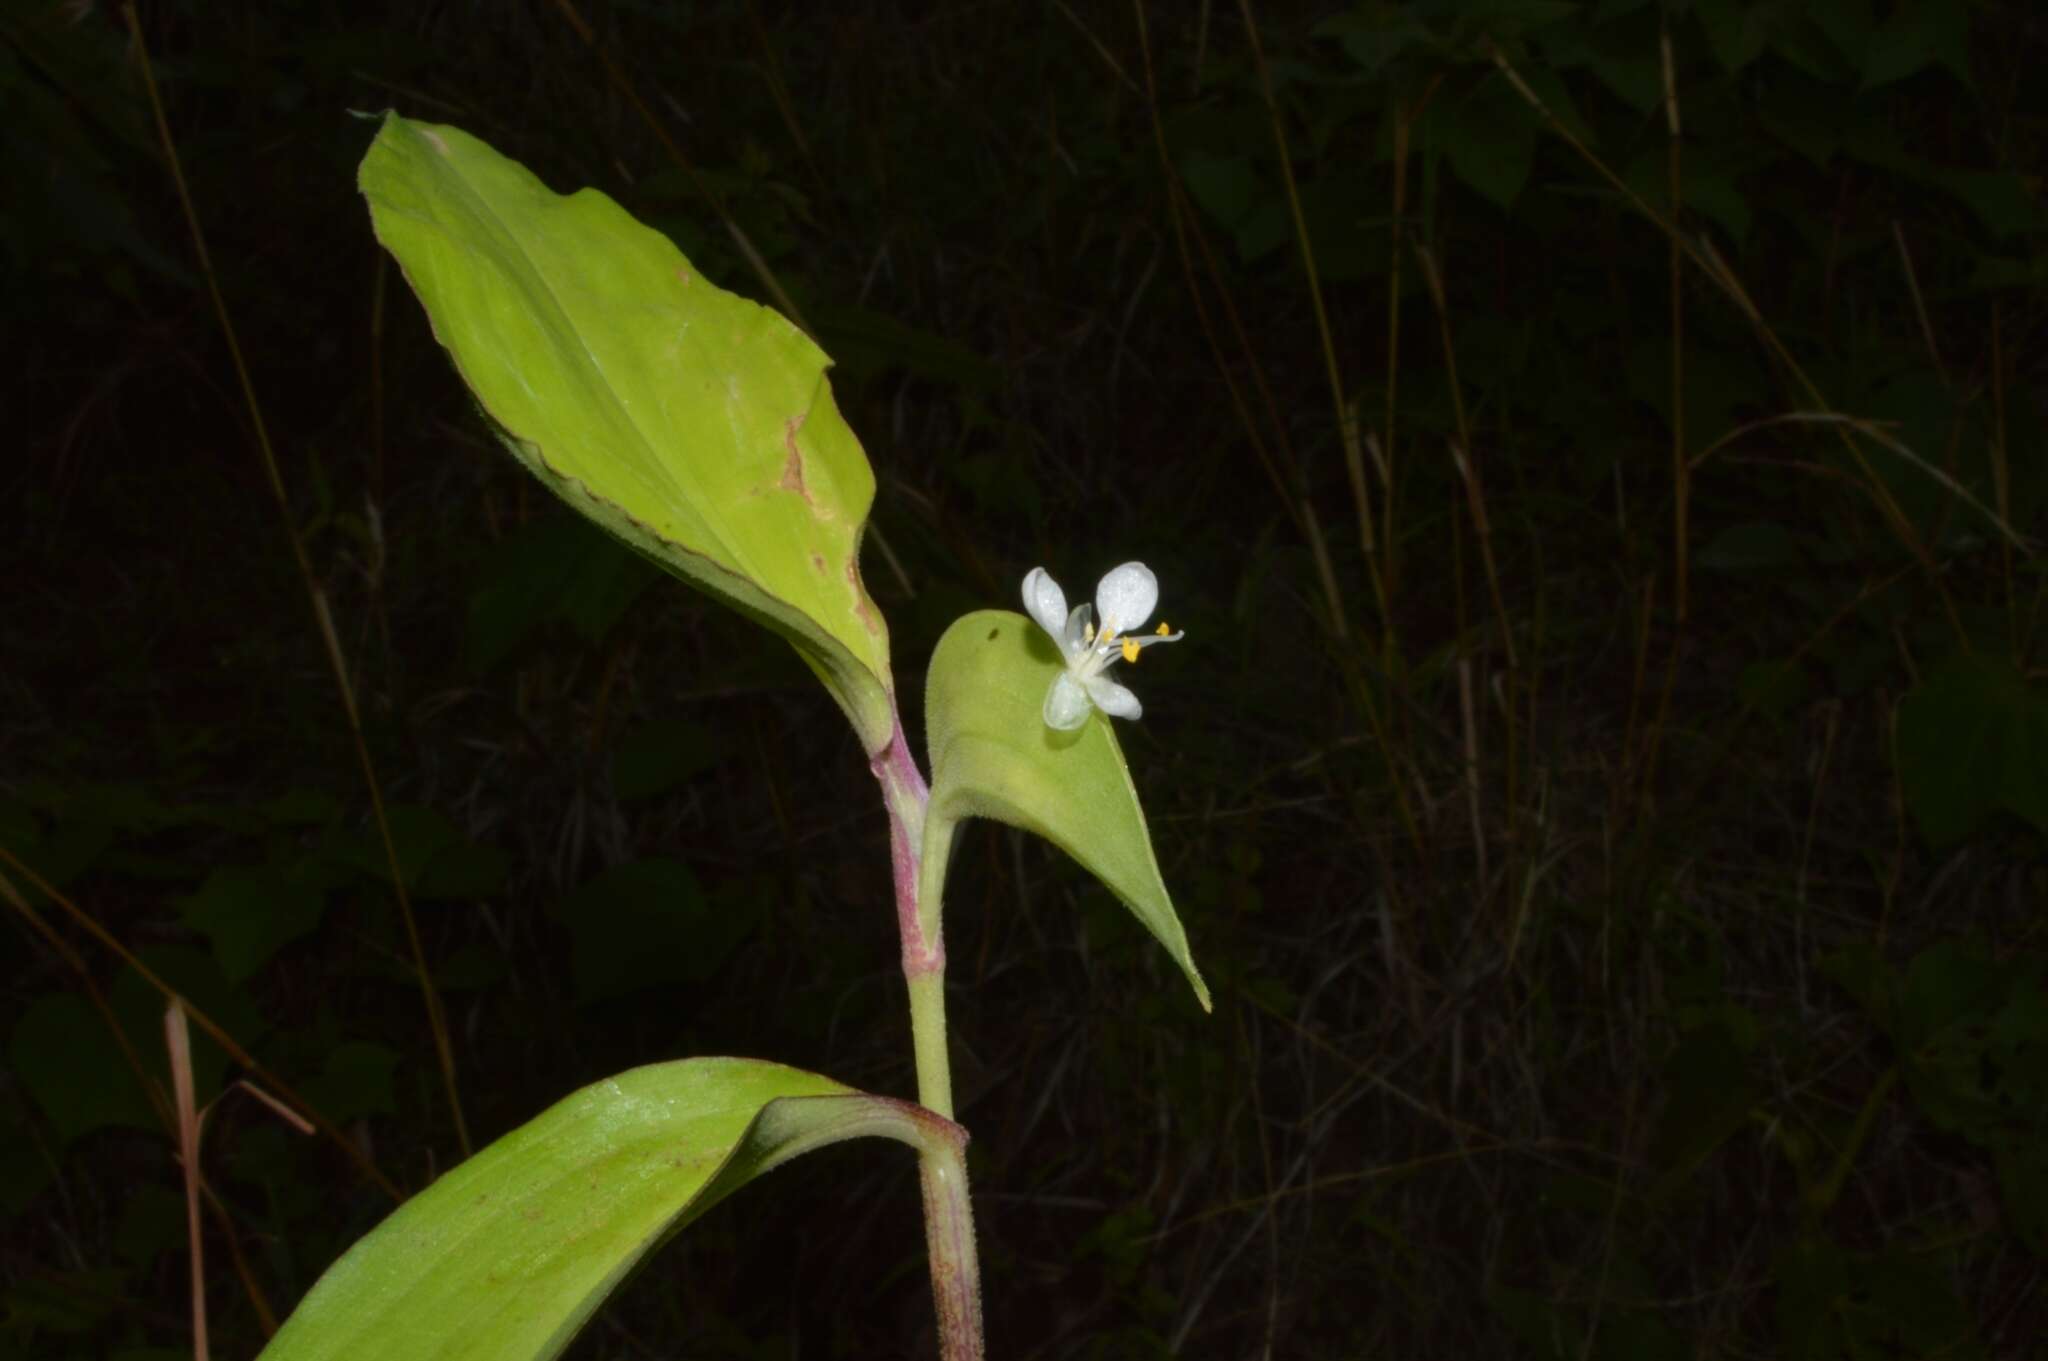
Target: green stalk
x,y
942,1171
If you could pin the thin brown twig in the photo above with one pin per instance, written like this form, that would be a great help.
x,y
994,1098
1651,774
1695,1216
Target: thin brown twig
x,y
2001,477
1346,414
1681,468
178,1046
1464,460
19,902
224,1227
1919,305
152,1090
1877,432
1404,124
1101,49
1704,256
316,596
1277,462
1462,453
708,192
778,90
1269,461
703,188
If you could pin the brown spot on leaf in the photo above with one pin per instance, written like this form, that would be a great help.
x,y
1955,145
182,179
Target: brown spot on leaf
x,y
818,563
434,139
793,465
862,606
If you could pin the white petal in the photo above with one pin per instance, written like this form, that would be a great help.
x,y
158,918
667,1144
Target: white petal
x,y
1074,642
1126,597
1066,704
1045,602
1113,699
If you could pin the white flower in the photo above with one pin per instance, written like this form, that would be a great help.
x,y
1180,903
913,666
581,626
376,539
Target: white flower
x,y
1124,599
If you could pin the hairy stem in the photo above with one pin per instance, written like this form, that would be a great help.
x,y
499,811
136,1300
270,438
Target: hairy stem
x,y
948,1215
949,1238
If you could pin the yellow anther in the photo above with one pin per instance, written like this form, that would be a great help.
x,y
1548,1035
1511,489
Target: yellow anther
x,y
1130,649
1089,636
1163,629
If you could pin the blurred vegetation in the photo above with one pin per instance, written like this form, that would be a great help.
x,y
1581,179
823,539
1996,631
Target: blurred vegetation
x,y
1605,782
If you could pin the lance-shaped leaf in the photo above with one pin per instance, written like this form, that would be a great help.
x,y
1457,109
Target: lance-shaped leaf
x,y
693,424
993,756
507,1255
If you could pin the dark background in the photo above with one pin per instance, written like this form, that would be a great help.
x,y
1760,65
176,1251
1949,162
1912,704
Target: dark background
x,y
1622,890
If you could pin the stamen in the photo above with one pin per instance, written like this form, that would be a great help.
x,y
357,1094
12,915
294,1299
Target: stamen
x,y
1130,646
1163,629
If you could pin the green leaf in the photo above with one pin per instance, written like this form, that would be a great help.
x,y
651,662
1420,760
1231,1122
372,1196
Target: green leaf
x,y
1712,186
645,924
437,860
665,754
251,912
2023,1177
1847,25
67,1303
25,1165
868,342
1737,32
355,1082
1231,190
138,1007
2001,200
81,1073
1374,35
1226,186
1618,56
1859,970
152,1222
993,756
1547,85
1949,983
1489,136
1753,546
693,424
302,808
1772,687
1708,1097
64,1056
1919,34
557,569
1973,739
508,1255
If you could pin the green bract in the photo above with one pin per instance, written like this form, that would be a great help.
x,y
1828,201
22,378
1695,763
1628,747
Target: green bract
x,y
695,425
993,756
506,1256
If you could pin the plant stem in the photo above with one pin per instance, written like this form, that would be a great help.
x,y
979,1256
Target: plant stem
x,y
949,1240
942,1171
928,1038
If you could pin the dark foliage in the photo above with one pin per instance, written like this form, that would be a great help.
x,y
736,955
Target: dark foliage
x,y
1605,781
